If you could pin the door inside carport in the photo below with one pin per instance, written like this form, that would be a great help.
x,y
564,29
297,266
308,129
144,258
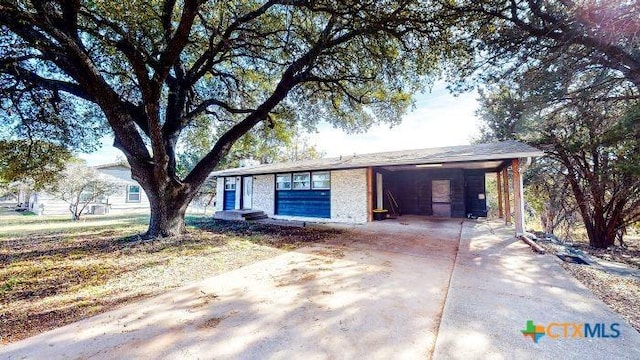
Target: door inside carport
x,y
434,192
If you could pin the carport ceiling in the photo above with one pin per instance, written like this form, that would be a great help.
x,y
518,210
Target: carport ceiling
x,y
487,165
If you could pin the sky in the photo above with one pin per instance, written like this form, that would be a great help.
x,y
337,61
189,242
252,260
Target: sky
x,y
438,119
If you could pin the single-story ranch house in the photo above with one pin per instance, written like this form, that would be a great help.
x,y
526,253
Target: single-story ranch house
x,y
129,198
446,182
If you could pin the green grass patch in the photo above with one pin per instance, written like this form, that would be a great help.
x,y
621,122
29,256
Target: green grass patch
x,y
8,285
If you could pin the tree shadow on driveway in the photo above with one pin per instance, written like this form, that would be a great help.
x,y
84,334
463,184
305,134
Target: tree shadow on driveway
x,y
347,298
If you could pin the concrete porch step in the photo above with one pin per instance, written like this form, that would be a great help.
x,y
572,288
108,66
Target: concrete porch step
x,y
256,217
240,215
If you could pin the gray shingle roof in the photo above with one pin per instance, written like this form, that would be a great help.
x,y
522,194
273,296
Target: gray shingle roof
x,y
479,152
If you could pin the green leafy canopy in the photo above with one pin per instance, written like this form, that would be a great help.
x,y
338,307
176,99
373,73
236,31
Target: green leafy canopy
x,y
155,69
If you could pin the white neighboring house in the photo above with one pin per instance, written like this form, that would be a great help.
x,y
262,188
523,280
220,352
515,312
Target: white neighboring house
x,y
129,198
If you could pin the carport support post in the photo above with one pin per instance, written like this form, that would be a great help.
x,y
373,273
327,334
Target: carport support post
x,y
499,185
369,194
507,204
379,192
517,197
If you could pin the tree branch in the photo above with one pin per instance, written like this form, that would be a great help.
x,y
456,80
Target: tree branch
x,y
19,72
176,44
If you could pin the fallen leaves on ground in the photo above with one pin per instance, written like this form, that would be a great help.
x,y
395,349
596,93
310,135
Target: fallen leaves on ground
x,y
54,275
622,294
273,235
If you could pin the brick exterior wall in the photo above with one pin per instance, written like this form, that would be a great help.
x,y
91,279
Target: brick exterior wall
x,y
219,193
349,196
264,193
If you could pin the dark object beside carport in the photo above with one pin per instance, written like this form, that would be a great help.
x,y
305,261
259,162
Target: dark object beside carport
x,y
380,214
572,259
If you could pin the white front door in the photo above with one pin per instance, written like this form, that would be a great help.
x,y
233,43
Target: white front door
x,y
247,192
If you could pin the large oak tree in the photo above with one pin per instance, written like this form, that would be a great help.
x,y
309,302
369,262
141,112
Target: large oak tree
x,y
151,68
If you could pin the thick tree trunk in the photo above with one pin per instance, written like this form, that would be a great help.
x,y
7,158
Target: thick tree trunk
x,y
602,235
168,202
599,234
75,216
167,217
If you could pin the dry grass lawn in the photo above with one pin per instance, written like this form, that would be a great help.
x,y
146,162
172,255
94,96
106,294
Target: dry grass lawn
x,y
54,271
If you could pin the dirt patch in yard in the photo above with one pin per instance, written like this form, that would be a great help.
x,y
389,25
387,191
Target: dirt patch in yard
x,y
272,235
629,256
58,272
622,294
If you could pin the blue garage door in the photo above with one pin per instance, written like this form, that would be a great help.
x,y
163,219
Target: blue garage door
x,y
229,200
307,203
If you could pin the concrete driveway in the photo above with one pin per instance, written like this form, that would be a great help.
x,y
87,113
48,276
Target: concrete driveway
x,y
391,289
376,293
498,284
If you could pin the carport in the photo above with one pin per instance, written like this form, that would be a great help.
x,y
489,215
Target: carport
x,y
453,183
447,191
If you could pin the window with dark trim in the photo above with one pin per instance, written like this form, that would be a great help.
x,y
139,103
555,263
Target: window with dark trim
x,y
283,182
230,183
317,180
302,181
133,193
321,180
